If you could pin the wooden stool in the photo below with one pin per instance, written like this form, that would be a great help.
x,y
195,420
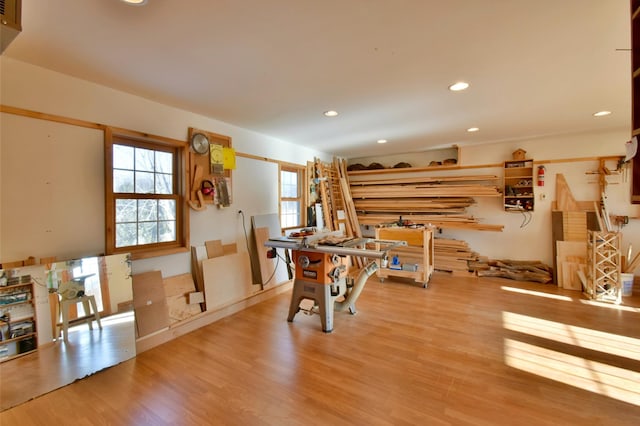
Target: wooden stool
x,y
87,301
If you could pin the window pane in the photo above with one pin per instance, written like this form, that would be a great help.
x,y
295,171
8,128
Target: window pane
x,y
126,234
145,160
126,211
144,183
122,157
164,184
147,232
123,181
166,231
166,210
147,210
289,181
164,162
290,214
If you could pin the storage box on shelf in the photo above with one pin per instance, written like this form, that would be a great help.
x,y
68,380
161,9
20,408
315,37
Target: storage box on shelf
x,y
17,318
415,260
518,185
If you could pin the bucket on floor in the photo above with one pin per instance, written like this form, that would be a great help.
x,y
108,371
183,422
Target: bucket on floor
x,y
627,284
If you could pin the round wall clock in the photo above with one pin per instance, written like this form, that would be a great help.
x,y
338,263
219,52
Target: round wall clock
x,y
200,143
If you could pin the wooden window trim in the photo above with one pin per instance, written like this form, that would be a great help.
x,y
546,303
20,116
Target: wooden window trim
x,y
300,172
111,137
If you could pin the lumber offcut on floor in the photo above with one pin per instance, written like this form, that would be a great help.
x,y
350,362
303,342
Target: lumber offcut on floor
x,y
465,351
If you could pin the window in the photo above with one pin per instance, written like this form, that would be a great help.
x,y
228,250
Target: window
x,y
291,198
144,205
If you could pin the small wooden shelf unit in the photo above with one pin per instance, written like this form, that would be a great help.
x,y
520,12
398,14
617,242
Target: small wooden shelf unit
x,y
418,253
17,319
518,185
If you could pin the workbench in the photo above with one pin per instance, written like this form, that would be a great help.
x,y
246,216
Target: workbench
x,y
416,257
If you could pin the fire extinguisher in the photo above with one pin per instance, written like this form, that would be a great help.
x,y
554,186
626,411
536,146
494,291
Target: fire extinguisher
x,y
541,170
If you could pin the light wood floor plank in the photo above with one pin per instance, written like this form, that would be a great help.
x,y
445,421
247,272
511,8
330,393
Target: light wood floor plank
x,y
465,351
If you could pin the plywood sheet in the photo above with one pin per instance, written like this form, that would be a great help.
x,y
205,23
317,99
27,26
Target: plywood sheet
x,y
227,279
214,248
564,197
177,291
272,221
571,258
150,304
574,226
267,266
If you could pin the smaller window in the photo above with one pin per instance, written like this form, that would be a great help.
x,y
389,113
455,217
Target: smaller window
x,y
291,200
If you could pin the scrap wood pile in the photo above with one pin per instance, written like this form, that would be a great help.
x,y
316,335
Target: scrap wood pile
x,y
437,200
520,270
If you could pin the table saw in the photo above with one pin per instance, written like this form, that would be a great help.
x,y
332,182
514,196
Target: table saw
x,y
321,270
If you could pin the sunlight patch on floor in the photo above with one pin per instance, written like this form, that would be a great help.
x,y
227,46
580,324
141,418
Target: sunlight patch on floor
x,y
610,305
623,346
536,293
592,376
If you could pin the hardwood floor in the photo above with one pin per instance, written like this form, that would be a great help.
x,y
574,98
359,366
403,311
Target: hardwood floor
x,y
59,363
465,351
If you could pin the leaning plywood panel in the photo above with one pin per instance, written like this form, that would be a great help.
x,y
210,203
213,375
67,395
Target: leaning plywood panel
x,y
272,222
571,258
149,302
227,279
177,290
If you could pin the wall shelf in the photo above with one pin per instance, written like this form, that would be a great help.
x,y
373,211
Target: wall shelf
x,y
517,191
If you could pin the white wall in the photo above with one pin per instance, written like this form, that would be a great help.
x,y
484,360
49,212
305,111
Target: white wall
x,y
63,150
534,241
52,179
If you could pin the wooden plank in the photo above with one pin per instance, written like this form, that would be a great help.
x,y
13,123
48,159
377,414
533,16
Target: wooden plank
x,y
198,254
267,266
272,222
229,249
177,290
567,252
214,248
227,279
564,197
423,179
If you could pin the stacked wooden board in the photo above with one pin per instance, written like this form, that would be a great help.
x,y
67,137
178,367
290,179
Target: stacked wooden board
x,y
440,201
453,256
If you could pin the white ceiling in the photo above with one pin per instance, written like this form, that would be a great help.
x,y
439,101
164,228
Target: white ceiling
x,y
536,67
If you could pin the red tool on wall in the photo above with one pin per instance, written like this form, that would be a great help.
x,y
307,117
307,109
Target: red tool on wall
x,y
541,171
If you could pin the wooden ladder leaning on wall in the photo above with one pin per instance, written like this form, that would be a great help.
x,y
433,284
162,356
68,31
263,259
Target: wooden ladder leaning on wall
x,y
338,210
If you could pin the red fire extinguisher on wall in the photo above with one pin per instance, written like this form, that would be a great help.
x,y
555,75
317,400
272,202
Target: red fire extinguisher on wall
x,y
541,170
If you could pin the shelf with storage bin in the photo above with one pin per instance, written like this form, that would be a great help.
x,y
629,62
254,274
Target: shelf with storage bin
x,y
518,192
18,334
415,260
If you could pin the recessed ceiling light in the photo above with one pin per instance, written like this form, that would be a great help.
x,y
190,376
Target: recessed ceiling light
x,y
135,2
601,113
473,129
461,85
331,113
382,141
